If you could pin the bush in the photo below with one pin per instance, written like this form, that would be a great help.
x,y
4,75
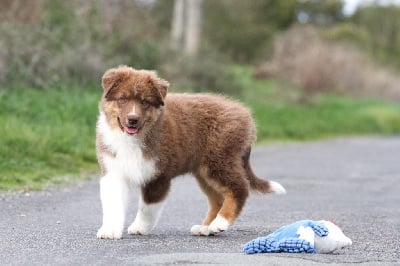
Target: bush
x,y
245,29
206,72
315,65
348,34
381,25
45,60
74,41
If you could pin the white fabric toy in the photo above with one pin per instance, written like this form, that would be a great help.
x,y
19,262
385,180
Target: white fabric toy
x,y
305,236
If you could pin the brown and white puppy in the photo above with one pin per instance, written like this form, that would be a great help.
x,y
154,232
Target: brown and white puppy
x,y
146,138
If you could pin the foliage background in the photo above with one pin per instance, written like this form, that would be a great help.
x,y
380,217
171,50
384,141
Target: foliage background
x,y
306,71
51,41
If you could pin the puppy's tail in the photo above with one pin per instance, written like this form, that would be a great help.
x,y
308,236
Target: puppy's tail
x,y
260,185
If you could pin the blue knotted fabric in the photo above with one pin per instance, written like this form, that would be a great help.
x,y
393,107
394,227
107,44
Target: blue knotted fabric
x,y
287,239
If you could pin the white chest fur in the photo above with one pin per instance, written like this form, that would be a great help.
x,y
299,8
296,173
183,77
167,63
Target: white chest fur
x,y
128,162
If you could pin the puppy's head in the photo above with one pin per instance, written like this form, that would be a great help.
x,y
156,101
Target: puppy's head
x,y
132,99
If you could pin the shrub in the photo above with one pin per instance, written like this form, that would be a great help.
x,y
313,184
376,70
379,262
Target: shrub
x,y
315,65
206,72
380,24
71,40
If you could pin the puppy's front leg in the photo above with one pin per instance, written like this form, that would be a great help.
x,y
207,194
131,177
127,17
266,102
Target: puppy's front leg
x,y
146,218
150,206
114,197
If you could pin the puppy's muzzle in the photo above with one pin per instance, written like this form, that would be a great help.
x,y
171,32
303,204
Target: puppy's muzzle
x,y
133,121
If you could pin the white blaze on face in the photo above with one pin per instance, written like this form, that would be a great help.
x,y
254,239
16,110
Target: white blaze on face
x,y
135,110
133,114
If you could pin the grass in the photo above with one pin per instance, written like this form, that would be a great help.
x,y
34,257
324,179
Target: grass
x,y
330,116
280,115
47,137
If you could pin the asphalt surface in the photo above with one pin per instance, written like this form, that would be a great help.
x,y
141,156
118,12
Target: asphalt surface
x,y
354,182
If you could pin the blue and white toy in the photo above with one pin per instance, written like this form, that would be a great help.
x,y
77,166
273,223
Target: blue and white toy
x,y
305,236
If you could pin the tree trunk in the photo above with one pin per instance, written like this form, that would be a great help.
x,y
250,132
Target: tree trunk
x,y
193,26
177,25
186,26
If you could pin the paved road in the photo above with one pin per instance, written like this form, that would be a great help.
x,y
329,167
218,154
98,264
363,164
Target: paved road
x,y
354,182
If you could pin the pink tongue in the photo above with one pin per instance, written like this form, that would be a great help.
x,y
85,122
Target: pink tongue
x,y
131,130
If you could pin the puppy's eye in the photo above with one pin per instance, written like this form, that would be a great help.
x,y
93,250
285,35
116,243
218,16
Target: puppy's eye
x,y
145,103
123,100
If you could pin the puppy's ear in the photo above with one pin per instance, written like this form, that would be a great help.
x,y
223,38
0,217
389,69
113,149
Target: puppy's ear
x,y
161,88
112,78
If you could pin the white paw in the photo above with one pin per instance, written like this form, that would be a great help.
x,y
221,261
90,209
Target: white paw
x,y
139,228
200,230
277,188
218,225
109,233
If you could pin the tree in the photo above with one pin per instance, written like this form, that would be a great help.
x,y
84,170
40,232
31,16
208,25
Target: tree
x,y
186,26
245,29
382,24
177,25
325,13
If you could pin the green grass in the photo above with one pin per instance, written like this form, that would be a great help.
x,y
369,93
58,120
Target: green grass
x,y
281,116
48,137
330,116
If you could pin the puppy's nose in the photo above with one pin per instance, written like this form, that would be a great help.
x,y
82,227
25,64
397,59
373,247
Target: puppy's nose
x,y
133,120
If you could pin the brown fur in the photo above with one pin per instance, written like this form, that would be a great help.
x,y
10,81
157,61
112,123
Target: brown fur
x,y
207,135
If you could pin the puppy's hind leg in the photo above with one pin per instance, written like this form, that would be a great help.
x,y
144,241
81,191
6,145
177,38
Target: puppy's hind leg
x,y
234,200
215,200
233,189
150,206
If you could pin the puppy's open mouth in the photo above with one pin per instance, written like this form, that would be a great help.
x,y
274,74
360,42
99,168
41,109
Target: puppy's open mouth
x,y
131,130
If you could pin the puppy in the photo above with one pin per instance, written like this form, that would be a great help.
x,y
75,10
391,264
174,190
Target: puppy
x,y
145,138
